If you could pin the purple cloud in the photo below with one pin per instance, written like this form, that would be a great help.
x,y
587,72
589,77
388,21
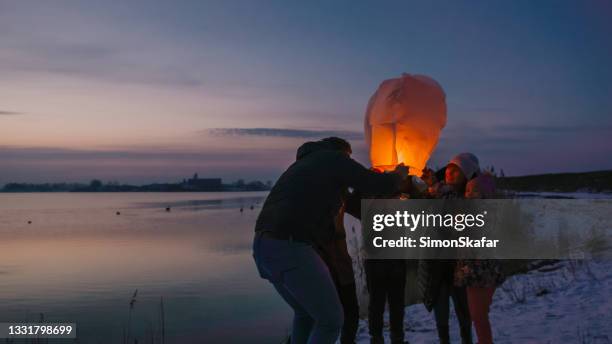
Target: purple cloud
x,y
289,133
9,113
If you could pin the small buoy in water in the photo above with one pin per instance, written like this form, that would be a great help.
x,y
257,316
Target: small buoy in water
x,y
241,209
118,213
29,222
167,208
251,207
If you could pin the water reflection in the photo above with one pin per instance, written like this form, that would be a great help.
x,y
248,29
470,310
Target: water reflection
x,y
79,262
207,204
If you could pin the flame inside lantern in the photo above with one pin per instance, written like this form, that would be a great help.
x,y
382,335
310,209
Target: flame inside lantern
x,y
403,122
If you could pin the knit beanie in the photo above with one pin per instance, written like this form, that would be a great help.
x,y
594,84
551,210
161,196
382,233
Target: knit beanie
x,y
467,163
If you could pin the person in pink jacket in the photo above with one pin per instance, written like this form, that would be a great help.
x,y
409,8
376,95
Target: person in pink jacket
x,y
480,277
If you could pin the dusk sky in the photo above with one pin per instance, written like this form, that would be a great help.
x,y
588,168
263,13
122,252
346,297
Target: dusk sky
x,y
142,92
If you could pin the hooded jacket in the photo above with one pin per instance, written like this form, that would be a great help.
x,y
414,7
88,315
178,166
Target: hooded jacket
x,y
308,196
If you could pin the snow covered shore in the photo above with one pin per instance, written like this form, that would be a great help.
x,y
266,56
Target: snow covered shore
x,y
567,302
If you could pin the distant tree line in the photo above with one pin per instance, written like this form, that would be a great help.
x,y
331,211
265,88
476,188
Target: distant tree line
x,y
188,185
597,181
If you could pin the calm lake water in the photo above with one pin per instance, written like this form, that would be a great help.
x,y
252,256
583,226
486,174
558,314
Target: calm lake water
x,y
78,261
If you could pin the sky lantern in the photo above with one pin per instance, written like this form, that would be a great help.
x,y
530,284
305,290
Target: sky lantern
x,y
403,122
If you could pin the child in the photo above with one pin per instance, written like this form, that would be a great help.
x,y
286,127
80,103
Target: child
x,y
480,277
459,170
436,276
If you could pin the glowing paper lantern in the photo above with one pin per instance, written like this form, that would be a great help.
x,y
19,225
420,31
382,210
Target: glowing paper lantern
x,y
403,122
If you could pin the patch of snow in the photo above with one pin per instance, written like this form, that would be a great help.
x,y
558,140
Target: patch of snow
x,y
578,195
567,303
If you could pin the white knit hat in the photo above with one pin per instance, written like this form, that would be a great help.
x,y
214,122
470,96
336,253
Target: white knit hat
x,y
467,163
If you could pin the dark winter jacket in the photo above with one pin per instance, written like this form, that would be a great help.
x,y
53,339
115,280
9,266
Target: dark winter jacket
x,y
433,273
308,196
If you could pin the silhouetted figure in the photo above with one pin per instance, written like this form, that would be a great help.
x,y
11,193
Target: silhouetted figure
x,y
251,207
167,208
241,209
297,217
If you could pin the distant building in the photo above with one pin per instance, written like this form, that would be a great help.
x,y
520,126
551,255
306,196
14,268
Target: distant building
x,y
204,184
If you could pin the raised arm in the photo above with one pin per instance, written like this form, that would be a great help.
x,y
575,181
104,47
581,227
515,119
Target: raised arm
x,y
369,183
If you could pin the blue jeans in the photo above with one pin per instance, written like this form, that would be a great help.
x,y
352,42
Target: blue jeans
x,y
302,279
